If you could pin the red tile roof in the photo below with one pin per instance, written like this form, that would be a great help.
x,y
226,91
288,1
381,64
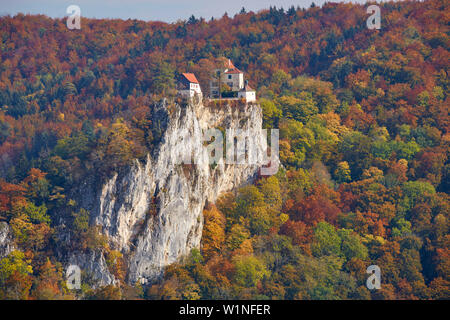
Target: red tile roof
x,y
231,68
230,65
234,71
190,77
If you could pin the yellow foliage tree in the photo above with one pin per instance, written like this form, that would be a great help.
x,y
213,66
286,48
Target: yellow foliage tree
x,y
213,231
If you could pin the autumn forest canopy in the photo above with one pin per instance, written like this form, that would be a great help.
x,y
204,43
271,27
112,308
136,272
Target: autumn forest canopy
x,y
364,143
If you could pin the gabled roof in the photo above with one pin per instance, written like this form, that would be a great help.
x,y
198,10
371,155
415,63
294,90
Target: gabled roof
x,y
231,68
190,77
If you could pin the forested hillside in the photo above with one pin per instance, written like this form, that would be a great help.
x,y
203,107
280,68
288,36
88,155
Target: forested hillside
x,y
364,143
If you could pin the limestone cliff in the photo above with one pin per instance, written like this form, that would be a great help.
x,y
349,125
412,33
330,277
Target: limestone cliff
x,y
152,213
6,244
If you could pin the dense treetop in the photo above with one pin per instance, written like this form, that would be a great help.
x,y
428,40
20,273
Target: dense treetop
x,y
364,129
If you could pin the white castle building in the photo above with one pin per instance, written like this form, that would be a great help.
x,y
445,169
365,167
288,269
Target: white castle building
x,y
232,79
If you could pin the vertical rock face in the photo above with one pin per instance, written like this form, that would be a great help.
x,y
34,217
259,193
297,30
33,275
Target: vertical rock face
x,y
6,245
153,212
